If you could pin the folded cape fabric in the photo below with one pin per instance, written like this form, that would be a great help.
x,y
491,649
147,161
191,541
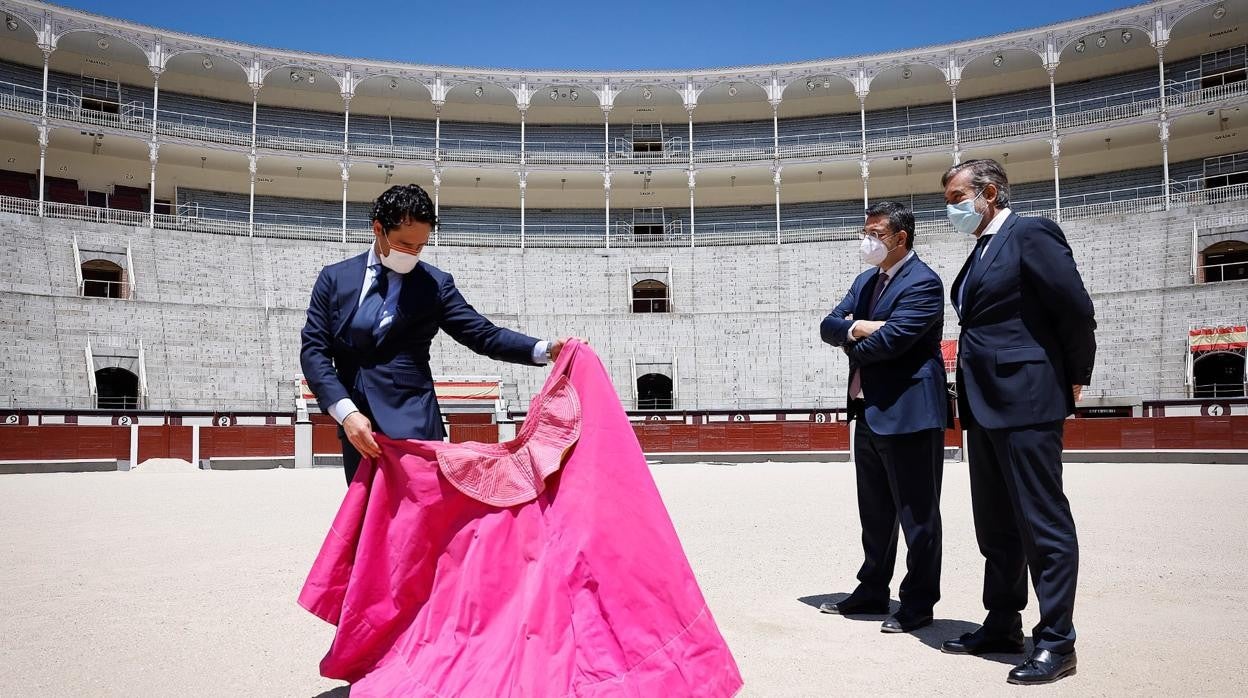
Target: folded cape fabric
x,y
546,566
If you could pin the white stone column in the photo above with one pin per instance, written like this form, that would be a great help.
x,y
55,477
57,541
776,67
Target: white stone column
x,y
44,132
693,177
864,168
957,144
1055,143
437,202
346,123
1163,119
251,197
437,131
606,136
775,178
154,146
864,165
346,180
523,156
606,192
524,184
251,160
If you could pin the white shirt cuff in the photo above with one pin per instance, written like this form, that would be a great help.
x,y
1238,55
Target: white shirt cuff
x,y
342,409
539,352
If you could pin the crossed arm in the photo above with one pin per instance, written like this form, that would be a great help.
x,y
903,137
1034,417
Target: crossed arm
x,y
918,308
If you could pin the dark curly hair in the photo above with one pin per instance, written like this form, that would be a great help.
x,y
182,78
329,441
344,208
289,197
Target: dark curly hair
x,y
404,202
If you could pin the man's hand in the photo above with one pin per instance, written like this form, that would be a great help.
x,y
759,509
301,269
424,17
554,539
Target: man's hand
x,y
360,433
1078,391
865,328
557,345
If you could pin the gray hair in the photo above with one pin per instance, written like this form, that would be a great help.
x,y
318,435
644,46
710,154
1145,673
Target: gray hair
x,y
984,171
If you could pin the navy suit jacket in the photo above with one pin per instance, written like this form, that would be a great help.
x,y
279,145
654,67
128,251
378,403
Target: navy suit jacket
x,y
392,383
903,375
1028,328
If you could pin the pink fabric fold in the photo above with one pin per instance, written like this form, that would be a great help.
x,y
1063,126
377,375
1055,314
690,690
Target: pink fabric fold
x,y
546,566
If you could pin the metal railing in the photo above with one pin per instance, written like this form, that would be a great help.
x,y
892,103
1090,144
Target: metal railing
x,y
104,288
136,117
1228,271
192,218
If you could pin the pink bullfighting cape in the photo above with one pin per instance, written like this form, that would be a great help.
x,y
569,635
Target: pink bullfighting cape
x,y
542,567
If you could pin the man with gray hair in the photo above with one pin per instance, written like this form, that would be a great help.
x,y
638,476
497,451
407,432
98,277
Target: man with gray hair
x,y
1025,352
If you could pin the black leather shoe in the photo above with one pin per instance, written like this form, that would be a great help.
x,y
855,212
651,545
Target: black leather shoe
x,y
849,606
1043,666
985,642
902,622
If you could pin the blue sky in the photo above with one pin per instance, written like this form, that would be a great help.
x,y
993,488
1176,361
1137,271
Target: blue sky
x,y
595,36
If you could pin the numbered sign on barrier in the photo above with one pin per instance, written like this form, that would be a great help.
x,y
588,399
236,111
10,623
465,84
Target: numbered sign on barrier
x,y
12,419
125,420
223,420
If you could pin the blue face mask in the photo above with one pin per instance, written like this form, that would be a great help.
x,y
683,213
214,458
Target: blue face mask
x,y
963,216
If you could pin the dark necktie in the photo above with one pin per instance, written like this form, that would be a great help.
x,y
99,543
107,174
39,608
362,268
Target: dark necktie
x,y
365,326
881,282
976,258
855,380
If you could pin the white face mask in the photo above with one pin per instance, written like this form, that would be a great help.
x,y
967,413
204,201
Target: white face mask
x,y
963,216
872,250
401,262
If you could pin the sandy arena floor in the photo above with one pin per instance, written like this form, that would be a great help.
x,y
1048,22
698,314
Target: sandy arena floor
x,y
183,583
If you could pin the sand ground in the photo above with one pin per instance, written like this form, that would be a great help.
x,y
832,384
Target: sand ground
x,y
160,582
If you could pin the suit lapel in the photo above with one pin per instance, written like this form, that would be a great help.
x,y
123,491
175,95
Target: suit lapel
x,y
864,297
350,284
894,288
995,245
955,290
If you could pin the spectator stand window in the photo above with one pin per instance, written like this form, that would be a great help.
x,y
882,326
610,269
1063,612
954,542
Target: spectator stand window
x,y
655,384
1216,361
104,273
650,290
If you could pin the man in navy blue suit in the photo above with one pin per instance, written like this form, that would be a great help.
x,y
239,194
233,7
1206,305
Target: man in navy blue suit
x,y
370,324
890,325
1026,349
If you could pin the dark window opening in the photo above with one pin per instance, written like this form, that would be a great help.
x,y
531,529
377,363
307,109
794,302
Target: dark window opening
x,y
650,296
654,392
1217,375
1225,78
100,105
1225,261
103,279
1226,180
116,389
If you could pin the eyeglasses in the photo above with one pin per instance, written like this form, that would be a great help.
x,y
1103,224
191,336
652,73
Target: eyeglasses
x,y
864,233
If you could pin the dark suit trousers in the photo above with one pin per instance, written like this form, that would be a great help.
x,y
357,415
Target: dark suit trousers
x,y
899,480
350,459
350,456
1023,521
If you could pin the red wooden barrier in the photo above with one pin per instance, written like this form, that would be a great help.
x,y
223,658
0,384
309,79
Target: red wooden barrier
x,y
325,439
165,442
484,433
64,442
227,442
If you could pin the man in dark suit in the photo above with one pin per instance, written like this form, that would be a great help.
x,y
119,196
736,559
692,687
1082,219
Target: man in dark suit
x,y
1026,349
890,326
370,324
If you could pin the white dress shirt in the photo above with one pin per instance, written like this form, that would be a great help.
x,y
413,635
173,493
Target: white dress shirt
x,y
343,408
